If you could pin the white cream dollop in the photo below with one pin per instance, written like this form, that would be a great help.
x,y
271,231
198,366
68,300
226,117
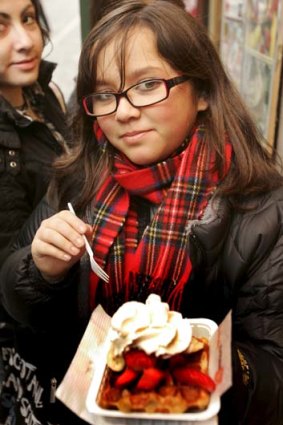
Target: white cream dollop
x,y
151,327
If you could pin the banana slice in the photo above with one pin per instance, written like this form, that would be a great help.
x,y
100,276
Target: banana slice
x,y
195,345
115,362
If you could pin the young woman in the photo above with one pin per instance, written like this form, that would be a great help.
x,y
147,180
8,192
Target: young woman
x,y
32,135
31,118
177,195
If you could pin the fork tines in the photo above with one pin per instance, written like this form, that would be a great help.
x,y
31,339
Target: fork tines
x,y
94,265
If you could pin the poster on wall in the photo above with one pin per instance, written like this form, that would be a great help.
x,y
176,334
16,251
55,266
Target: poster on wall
x,y
251,50
256,89
233,9
262,22
232,49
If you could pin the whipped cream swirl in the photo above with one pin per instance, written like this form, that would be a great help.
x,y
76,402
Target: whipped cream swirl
x,y
151,327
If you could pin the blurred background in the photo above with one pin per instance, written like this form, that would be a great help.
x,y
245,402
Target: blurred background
x,y
65,24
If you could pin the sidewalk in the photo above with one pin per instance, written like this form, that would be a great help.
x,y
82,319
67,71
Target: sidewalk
x,y
64,20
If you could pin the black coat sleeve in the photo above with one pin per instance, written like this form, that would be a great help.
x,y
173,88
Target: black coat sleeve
x,y
258,316
26,296
245,275
26,235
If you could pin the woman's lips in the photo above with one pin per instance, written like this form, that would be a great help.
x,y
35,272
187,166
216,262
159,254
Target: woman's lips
x,y
26,65
134,136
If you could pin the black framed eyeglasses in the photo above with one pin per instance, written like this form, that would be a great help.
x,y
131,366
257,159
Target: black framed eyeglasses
x,y
146,93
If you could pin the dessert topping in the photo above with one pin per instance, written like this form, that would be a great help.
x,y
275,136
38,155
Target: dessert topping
x,y
150,327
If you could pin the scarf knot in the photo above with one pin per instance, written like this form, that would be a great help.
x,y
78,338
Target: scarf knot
x,y
151,182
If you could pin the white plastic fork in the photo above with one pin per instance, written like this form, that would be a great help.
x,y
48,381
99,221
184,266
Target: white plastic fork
x,y
94,265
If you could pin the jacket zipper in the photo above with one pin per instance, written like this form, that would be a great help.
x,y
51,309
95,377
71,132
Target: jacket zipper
x,y
199,255
53,388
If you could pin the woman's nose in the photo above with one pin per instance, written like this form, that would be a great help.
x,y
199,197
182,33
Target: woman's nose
x,y
126,110
21,38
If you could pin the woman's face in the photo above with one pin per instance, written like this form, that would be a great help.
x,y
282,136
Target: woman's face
x,y
21,46
148,134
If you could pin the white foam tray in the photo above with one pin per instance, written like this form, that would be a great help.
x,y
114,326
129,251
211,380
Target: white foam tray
x,y
200,328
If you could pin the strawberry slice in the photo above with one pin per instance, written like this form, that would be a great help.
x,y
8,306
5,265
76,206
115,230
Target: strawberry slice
x,y
150,379
126,378
190,376
177,360
138,360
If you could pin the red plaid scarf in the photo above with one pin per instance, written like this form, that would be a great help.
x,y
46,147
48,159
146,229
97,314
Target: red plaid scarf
x,y
180,189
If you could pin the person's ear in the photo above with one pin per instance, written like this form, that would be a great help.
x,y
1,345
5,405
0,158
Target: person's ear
x,y
202,104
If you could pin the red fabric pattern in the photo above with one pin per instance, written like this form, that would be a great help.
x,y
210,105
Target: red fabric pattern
x,y
180,189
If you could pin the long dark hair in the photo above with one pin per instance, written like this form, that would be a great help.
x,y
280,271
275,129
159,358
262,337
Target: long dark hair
x,y
42,20
185,45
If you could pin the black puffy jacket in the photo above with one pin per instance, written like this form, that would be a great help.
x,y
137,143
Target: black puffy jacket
x,y
237,264
27,150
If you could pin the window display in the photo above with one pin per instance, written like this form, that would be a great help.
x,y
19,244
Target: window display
x,y
250,48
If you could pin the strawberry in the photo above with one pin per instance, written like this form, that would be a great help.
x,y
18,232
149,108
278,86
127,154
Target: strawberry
x,y
190,376
126,378
177,360
150,379
138,360
168,379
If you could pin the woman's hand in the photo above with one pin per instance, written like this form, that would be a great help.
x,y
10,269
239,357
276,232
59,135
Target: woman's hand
x,y
58,244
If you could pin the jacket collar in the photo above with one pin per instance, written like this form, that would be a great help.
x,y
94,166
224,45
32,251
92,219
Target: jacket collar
x,y
8,114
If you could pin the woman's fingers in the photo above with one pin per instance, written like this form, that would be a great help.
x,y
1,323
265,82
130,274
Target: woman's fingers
x,y
58,243
61,234
42,249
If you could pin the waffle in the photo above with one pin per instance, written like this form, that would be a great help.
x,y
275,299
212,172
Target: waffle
x,y
173,394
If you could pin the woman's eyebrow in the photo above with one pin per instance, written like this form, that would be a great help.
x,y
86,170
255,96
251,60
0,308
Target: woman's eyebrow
x,y
5,16
28,8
